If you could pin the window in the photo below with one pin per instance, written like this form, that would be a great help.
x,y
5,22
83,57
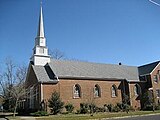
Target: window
x,y
114,91
158,93
97,91
31,98
76,91
158,75
137,90
36,94
155,78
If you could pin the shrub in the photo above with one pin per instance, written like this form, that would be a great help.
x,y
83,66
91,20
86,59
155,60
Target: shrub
x,y
100,109
120,105
55,103
126,107
157,107
116,109
110,107
92,108
106,108
148,107
78,112
84,108
69,107
39,113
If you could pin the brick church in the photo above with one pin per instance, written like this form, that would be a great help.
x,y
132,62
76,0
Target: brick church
x,y
81,82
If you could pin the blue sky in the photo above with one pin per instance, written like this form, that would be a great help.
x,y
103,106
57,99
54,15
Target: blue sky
x,y
102,31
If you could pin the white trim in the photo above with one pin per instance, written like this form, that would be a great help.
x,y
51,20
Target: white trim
x,y
155,68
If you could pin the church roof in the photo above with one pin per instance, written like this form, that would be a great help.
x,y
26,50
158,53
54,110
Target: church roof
x,y
41,73
85,70
148,68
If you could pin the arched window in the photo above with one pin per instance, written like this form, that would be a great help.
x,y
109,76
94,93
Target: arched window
x,y
137,89
76,91
114,91
97,91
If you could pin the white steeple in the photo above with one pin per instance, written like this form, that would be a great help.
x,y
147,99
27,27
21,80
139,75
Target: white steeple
x,y
40,32
40,51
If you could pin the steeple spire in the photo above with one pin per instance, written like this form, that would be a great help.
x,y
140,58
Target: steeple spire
x,y
40,50
40,32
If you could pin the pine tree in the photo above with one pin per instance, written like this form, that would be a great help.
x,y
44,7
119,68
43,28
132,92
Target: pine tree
x,y
55,103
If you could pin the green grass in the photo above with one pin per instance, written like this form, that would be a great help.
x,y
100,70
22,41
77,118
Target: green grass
x,y
95,116
88,116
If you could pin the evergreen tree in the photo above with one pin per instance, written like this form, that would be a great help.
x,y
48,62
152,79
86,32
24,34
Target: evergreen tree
x,y
55,103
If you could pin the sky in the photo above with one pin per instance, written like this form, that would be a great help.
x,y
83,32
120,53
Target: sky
x,y
101,31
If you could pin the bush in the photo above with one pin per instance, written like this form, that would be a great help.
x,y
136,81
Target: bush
x,y
100,109
148,107
106,108
84,108
39,113
92,108
110,107
78,111
116,109
120,105
126,107
69,107
157,107
55,103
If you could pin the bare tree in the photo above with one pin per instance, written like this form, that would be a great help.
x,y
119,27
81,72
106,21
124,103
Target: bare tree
x,y
18,90
12,84
7,81
57,54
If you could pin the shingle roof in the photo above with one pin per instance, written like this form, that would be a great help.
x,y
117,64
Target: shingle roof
x,y
43,74
84,70
77,69
147,69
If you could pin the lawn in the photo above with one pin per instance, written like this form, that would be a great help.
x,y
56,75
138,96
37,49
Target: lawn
x,y
88,116
95,116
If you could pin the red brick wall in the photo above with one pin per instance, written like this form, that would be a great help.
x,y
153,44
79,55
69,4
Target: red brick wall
x,y
65,88
155,85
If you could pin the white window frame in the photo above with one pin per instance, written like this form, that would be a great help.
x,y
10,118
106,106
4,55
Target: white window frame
x,y
97,91
76,93
114,91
